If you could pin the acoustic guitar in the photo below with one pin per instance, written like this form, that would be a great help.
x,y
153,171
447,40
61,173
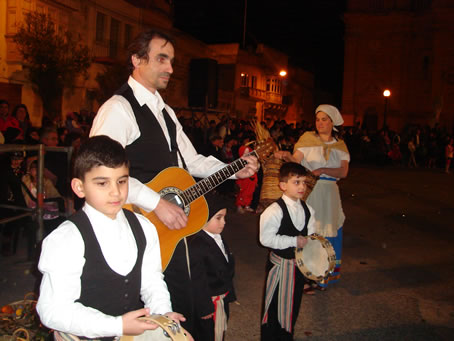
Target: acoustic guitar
x,y
176,185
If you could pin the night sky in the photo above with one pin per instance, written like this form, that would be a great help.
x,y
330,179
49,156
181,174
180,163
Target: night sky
x,y
309,31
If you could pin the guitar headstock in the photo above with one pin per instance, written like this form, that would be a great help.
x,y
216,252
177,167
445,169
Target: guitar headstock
x,y
265,148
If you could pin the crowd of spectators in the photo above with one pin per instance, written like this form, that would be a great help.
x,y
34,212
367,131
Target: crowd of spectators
x,y
414,146
18,170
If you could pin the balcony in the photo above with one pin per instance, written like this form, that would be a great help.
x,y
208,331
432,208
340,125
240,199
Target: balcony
x,y
253,93
262,95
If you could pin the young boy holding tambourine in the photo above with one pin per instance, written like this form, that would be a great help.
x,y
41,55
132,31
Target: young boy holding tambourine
x,y
283,226
102,267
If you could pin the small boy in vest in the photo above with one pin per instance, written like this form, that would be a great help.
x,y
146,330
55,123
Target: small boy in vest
x,y
212,272
283,226
102,267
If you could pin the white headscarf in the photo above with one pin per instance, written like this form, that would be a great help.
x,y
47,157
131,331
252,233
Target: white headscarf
x,y
333,114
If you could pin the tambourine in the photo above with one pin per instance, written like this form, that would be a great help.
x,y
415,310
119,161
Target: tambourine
x,y
316,259
169,330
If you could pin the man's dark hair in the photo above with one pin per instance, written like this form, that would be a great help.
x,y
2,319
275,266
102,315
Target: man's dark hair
x,y
98,151
140,46
290,169
4,101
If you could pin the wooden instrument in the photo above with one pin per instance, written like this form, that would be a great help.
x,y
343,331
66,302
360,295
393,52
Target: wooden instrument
x,y
177,186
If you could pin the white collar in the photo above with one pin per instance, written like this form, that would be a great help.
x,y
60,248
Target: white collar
x,y
290,202
145,96
215,236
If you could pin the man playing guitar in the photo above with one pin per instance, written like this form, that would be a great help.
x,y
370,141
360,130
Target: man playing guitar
x,y
137,117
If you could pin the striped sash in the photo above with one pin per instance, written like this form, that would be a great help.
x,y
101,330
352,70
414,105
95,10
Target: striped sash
x,y
283,273
60,336
220,318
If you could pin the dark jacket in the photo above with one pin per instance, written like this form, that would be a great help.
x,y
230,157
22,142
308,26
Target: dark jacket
x,y
211,274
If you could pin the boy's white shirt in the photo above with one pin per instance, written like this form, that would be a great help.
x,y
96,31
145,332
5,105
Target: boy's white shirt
x,y
62,261
270,221
218,240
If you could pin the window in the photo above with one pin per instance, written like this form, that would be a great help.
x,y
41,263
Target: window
x,y
377,5
244,79
128,35
100,23
425,67
114,29
274,85
254,82
420,5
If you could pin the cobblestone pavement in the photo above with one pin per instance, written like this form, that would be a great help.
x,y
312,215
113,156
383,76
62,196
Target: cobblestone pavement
x,y
397,268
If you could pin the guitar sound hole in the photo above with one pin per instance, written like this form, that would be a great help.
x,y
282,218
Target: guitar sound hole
x,y
174,199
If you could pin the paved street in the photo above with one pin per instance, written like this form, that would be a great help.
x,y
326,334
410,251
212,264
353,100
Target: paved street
x,y
397,271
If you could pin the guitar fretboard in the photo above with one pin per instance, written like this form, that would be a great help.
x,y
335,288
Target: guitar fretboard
x,y
204,186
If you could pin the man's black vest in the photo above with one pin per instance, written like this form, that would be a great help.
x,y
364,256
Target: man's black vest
x,y
101,287
288,229
149,154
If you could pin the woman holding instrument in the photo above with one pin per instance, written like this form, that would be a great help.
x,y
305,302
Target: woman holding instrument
x,y
323,153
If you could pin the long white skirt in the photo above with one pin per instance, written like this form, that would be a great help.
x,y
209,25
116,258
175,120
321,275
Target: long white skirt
x,y
326,202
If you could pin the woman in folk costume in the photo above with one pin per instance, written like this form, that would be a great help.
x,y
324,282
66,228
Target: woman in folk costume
x,y
323,153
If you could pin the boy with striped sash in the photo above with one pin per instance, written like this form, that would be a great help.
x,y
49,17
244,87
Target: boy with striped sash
x,y
283,226
212,272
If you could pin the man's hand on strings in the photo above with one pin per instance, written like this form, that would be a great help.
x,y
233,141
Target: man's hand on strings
x,y
171,215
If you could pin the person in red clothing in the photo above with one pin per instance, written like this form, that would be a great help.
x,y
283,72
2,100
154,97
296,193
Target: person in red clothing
x,y
6,120
246,186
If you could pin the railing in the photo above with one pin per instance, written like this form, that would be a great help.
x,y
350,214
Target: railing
x,y
261,94
254,93
39,211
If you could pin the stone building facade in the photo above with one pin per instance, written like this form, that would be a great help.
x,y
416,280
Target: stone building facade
x,y
247,82
405,46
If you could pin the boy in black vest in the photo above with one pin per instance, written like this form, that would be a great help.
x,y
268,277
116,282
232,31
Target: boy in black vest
x,y
283,226
102,267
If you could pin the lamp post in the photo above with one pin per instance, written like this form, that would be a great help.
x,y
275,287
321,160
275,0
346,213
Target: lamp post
x,y
386,94
283,75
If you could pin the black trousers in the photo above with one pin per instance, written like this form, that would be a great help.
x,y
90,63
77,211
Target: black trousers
x,y
204,329
272,330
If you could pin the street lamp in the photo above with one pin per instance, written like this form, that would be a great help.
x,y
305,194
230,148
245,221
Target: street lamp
x,y
283,73
386,94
